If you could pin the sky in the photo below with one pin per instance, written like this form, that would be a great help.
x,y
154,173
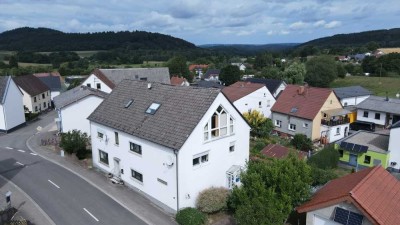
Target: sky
x,y
206,21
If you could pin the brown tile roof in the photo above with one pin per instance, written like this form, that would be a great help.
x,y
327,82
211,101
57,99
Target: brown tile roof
x,y
31,84
308,104
103,78
374,191
240,89
279,151
177,81
54,74
195,66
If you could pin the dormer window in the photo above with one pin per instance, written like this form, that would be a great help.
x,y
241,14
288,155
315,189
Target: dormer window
x,y
153,108
220,124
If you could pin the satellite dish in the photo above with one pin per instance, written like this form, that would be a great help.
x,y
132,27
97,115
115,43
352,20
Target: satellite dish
x,y
170,161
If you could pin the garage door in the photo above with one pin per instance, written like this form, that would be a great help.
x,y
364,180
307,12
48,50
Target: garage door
x,y
321,221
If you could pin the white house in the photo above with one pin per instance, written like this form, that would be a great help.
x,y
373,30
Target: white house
x,y
274,86
52,80
106,79
394,146
169,142
382,111
241,66
36,94
352,95
11,107
80,99
247,96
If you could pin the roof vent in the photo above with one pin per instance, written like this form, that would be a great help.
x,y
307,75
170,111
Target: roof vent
x,y
149,86
300,90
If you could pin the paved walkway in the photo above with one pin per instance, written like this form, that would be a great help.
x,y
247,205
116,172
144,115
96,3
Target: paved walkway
x,y
128,198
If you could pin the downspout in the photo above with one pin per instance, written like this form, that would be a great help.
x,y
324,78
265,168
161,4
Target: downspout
x,y
177,180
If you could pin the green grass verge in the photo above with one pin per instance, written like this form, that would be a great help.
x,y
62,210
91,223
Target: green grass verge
x,y
378,85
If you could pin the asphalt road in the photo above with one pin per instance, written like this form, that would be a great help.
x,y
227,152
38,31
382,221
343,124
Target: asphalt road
x,y
66,198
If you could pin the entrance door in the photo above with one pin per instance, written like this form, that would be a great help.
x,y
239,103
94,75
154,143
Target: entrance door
x,y
346,131
117,170
353,160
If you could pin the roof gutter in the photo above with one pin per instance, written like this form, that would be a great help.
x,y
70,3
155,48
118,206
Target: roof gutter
x,y
177,180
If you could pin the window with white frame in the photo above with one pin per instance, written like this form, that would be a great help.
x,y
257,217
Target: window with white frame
x,y
136,175
278,123
292,127
233,176
305,125
232,147
337,130
116,138
100,135
268,103
200,159
220,124
259,104
103,157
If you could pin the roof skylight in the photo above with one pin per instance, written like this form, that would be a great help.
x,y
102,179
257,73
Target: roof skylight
x,y
129,103
153,108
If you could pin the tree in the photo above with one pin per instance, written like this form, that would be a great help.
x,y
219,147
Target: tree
x,y
260,125
321,71
75,142
178,66
270,190
229,75
13,62
341,70
302,142
294,74
272,73
327,158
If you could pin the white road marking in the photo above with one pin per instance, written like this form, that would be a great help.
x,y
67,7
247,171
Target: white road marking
x,y
9,148
33,153
19,163
21,150
54,184
87,211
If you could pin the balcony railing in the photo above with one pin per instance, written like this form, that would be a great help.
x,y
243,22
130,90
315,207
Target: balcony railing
x,y
335,122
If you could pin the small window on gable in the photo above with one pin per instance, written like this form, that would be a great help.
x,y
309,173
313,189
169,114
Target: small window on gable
x,y
88,85
220,124
98,86
153,108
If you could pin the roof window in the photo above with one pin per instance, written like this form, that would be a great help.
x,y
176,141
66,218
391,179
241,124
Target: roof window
x,y
129,103
153,108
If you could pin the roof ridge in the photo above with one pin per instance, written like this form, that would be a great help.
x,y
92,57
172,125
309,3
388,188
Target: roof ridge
x,y
369,174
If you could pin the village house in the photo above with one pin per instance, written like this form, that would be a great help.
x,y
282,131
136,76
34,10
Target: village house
x,y
247,96
394,147
274,86
241,66
315,112
52,80
82,99
11,106
169,142
179,81
106,79
212,75
370,196
36,94
351,96
198,69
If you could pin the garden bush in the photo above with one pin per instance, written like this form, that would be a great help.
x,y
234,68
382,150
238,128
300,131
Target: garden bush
x,y
302,142
212,200
327,158
190,216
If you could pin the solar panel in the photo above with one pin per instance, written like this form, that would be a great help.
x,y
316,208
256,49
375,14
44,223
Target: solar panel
x,y
364,148
343,144
346,217
357,148
355,219
350,146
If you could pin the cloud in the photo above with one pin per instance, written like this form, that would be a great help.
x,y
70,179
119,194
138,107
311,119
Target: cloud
x,y
319,23
333,24
299,25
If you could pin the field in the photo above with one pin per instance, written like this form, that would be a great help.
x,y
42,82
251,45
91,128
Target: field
x,y
378,85
390,50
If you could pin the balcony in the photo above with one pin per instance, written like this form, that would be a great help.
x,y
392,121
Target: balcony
x,y
337,122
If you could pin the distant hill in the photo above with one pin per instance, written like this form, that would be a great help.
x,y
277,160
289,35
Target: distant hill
x,y
44,39
385,38
243,49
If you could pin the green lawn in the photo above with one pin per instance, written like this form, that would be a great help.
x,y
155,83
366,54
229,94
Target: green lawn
x,y
378,85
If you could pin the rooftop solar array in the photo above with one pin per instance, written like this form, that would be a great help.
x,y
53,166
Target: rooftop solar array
x,y
346,217
353,147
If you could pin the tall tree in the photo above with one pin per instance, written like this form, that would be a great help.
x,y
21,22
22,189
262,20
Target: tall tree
x,y
229,75
294,74
260,125
13,62
321,71
178,66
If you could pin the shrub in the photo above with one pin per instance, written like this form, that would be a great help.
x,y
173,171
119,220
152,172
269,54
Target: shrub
x,y
321,176
190,216
74,141
302,142
327,158
212,200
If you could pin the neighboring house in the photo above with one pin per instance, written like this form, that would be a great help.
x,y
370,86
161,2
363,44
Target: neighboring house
x,y
169,142
36,94
11,106
81,99
315,112
212,75
52,81
198,69
382,111
279,152
274,86
241,66
364,149
106,79
208,84
179,81
343,58
248,96
359,57
394,146
370,196
352,95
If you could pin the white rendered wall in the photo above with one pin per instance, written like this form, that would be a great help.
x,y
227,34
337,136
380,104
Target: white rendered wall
x,y
93,81
54,94
394,147
30,103
74,116
371,117
13,107
332,134
252,100
280,88
193,179
353,100
2,118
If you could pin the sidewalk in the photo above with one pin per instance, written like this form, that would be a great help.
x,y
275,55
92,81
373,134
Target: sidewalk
x,y
128,198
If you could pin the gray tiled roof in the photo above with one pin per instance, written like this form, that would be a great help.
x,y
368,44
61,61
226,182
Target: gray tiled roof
x,y
375,142
180,111
160,74
31,84
3,87
53,82
352,91
376,103
76,94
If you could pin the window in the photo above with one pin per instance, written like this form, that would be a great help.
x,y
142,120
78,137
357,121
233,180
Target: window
x,y
268,103
331,102
367,159
138,176
233,176
43,96
377,116
259,105
218,125
153,108
35,108
98,86
47,93
337,130
305,125
278,123
365,114
292,127
340,153
103,157
232,147
135,148
116,138
44,105
325,115
162,181
200,159
34,99
88,85
345,104
143,78
100,135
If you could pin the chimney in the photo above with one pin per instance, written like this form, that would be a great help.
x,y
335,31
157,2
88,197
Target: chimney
x,y
387,97
149,86
300,90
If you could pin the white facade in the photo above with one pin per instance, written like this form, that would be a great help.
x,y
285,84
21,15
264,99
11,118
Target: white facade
x,y
12,109
394,148
260,100
54,94
281,87
170,177
335,133
353,100
38,102
372,116
71,120
94,82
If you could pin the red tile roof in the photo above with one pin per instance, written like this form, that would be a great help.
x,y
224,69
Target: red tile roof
x,y
240,89
374,191
308,102
279,151
200,66
177,81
